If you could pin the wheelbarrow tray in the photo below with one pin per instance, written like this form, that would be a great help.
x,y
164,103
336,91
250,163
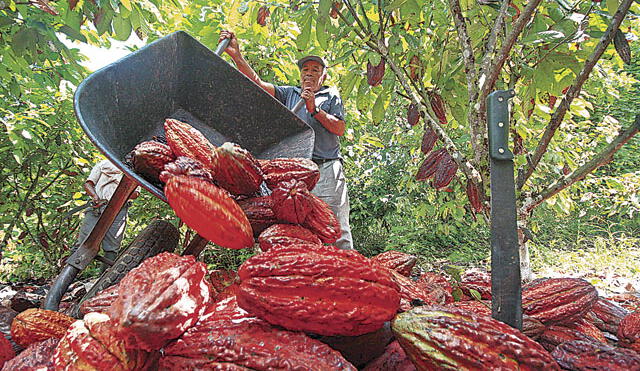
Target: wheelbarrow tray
x,y
126,103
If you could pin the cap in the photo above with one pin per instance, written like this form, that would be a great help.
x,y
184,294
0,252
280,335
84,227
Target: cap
x,y
320,60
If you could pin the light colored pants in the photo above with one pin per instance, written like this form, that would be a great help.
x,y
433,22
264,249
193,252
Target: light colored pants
x,y
332,189
115,234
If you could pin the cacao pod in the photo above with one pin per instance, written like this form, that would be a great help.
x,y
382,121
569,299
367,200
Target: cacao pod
x,y
629,302
220,341
375,73
159,300
585,355
220,279
588,329
622,46
6,318
335,9
38,356
481,308
445,171
6,350
101,302
149,158
437,288
291,201
437,105
555,335
473,194
185,140
286,235
283,169
209,211
432,278
399,261
413,115
322,221
320,289
186,166
415,68
532,327
259,212
629,331
429,139
263,14
478,281
558,300
606,315
430,164
437,338
552,101
393,359
36,324
236,170
92,344
411,293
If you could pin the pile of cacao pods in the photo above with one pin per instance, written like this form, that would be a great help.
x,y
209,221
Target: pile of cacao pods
x,y
296,304
170,313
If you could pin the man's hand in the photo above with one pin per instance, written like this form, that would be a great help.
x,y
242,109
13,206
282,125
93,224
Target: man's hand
x,y
232,49
308,95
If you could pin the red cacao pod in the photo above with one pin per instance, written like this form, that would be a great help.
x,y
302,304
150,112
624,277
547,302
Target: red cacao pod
x,y
629,302
335,9
185,140
283,169
429,139
430,164
399,261
286,235
411,293
186,166
629,331
263,14
432,278
558,300
322,221
159,300
101,302
393,359
586,355
236,170
532,327
413,115
437,105
38,356
445,171
149,158
6,350
375,73
259,212
473,194
606,315
210,211
478,281
588,329
221,341
93,344
437,288
291,201
481,308
444,338
415,68
555,335
36,324
320,289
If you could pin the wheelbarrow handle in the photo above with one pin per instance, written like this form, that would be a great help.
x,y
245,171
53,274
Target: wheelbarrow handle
x,y
222,46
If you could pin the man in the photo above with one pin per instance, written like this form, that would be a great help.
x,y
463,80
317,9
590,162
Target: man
x,y
325,114
100,186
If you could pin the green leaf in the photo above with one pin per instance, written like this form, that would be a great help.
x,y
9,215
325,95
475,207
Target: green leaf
x,y
24,40
72,33
612,6
126,4
6,21
122,28
379,107
475,294
395,4
347,83
303,39
543,37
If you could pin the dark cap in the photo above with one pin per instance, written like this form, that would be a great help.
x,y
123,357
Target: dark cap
x,y
320,60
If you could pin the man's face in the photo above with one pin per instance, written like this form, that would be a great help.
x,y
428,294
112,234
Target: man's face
x,y
312,75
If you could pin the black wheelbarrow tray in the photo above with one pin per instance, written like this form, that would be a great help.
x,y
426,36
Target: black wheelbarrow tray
x,y
127,102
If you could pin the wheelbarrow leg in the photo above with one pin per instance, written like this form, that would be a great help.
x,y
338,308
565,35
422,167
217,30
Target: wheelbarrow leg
x,y
88,250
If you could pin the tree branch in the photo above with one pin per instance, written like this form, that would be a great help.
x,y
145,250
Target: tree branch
x,y
580,173
490,48
572,93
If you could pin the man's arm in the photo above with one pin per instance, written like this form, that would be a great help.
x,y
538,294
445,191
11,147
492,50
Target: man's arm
x,y
89,188
330,122
234,52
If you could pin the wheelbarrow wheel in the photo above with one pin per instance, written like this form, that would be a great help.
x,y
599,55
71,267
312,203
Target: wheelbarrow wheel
x,y
157,237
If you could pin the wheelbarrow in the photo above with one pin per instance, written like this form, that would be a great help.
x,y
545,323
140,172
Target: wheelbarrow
x,y
127,102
